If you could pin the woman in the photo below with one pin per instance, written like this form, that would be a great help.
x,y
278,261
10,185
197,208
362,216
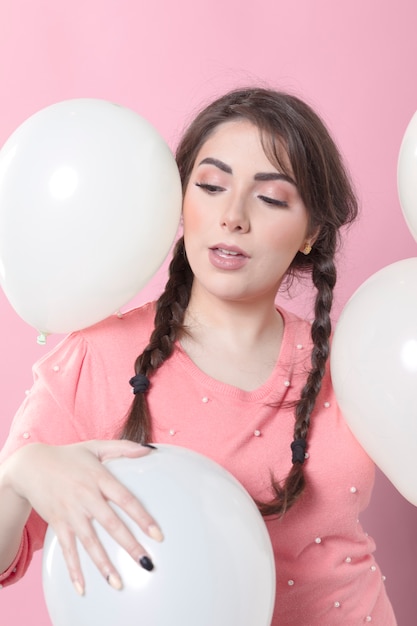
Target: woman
x,y
221,370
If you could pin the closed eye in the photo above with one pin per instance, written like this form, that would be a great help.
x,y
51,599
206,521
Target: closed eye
x,y
209,188
273,201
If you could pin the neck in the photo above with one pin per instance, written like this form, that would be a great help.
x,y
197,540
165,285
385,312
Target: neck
x,y
237,343
238,321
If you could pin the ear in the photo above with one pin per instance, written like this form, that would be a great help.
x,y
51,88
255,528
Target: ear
x,y
309,242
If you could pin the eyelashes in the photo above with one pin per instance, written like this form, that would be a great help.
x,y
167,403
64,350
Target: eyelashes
x,y
274,201
213,189
209,188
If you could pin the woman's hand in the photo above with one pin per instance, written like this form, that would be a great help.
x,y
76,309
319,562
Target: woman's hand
x,y
69,487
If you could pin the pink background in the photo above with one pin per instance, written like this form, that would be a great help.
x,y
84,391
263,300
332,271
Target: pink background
x,y
354,61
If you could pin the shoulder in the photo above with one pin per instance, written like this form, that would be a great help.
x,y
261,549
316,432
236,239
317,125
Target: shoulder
x,y
139,319
114,338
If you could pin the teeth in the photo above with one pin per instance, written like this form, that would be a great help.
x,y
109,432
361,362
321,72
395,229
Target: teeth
x,y
231,252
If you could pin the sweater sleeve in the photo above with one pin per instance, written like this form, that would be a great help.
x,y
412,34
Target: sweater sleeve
x,y
45,416
47,412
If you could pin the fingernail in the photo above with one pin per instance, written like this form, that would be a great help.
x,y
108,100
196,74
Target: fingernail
x,y
149,445
114,581
78,587
154,532
146,563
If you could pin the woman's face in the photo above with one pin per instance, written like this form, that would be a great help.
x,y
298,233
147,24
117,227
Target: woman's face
x,y
244,220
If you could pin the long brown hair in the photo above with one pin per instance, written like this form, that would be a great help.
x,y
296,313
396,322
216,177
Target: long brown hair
x,y
326,190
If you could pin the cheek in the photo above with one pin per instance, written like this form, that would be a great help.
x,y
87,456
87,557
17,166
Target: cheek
x,y
190,221
285,237
192,216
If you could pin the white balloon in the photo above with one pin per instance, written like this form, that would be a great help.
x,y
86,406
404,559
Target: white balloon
x,y
374,371
215,566
90,201
407,175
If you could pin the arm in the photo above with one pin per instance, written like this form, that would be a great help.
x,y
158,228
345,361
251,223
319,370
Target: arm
x,y
15,513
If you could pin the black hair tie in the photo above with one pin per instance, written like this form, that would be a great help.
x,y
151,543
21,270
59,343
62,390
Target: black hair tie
x,y
140,383
298,447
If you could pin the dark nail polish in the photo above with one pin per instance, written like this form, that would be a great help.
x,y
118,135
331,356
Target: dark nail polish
x,y
149,445
146,563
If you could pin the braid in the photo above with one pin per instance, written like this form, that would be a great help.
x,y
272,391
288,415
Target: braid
x,y
324,279
169,316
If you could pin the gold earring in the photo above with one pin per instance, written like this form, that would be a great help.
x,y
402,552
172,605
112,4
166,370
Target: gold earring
x,y
307,248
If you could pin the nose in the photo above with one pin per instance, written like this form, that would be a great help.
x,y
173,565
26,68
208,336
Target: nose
x,y
235,216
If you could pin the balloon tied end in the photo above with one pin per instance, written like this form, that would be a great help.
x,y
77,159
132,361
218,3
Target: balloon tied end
x,y
41,338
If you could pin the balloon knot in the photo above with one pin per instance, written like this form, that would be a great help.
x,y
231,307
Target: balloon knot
x,y
41,339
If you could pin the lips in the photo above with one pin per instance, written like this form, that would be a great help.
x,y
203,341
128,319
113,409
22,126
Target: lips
x,y
225,257
227,251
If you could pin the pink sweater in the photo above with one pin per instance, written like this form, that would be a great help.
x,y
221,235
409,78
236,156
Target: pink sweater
x,y
326,572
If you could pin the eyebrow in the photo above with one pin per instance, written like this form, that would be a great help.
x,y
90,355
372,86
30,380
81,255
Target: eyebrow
x,y
274,176
261,176
217,163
